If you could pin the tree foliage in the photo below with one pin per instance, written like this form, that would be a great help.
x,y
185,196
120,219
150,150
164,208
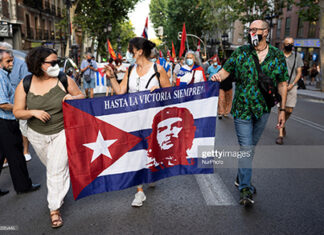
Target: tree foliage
x,y
309,10
93,17
171,14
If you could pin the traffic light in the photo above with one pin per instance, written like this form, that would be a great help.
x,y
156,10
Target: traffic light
x,y
179,36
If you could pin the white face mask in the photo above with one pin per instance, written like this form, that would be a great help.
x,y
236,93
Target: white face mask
x,y
53,71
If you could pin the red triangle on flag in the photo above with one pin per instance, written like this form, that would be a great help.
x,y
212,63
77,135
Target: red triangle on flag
x,y
82,128
101,71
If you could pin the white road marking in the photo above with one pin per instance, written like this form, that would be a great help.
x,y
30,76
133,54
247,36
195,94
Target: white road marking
x,y
214,190
305,122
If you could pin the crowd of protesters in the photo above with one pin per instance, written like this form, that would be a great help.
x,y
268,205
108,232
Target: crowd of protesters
x,y
34,91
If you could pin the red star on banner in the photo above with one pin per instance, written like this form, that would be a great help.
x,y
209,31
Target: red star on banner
x,y
93,146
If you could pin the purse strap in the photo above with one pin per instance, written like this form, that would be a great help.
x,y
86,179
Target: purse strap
x,y
257,64
292,71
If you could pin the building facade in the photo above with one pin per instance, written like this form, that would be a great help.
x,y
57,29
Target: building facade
x,y
305,34
30,23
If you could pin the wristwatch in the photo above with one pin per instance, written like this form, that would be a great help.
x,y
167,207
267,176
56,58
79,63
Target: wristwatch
x,y
281,109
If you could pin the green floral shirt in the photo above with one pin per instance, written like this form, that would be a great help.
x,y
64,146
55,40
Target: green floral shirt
x,y
248,100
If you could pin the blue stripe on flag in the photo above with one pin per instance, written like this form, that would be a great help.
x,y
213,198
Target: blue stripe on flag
x,y
121,181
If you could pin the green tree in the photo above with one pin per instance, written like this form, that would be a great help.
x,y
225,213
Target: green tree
x,y
309,10
93,17
171,14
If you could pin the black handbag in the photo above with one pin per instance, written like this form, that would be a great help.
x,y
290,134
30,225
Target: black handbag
x,y
267,87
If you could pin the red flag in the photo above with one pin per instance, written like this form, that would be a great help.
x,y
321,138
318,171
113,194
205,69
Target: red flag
x,y
111,51
216,56
160,52
173,51
183,40
198,46
168,53
120,57
144,34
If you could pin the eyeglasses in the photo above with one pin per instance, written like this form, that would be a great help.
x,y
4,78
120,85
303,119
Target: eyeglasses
x,y
254,30
53,63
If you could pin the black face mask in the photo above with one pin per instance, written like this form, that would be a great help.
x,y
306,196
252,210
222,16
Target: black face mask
x,y
288,48
255,40
89,60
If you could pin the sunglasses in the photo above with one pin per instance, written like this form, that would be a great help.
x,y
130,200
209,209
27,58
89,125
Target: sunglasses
x,y
53,63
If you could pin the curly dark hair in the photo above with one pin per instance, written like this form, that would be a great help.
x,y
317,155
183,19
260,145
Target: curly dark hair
x,y
36,57
141,43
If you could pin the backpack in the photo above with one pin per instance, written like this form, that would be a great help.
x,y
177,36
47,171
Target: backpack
x,y
27,81
156,73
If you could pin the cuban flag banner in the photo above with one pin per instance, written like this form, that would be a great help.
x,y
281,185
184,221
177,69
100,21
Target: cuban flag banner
x,y
121,141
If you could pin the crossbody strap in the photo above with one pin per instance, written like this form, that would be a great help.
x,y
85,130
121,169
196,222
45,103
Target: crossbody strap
x,y
292,71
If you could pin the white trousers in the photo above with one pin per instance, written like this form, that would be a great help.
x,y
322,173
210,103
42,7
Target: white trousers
x,y
51,150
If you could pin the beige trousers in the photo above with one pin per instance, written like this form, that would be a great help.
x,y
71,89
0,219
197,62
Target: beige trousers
x,y
51,150
225,101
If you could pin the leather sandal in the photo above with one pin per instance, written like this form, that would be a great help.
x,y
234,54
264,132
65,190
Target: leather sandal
x,y
56,219
279,140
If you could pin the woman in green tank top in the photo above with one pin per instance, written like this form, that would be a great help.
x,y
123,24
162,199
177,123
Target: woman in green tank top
x,y
42,107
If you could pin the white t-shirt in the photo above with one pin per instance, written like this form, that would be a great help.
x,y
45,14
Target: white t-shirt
x,y
137,83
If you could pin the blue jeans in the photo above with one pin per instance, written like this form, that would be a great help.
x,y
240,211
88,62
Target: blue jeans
x,y
248,134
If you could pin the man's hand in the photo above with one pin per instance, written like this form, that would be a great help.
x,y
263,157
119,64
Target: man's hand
x,y
216,78
290,86
281,120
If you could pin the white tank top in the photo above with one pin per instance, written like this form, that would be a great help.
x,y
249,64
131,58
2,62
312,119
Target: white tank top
x,y
137,83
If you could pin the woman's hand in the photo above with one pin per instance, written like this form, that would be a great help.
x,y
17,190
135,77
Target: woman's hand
x,y
154,88
109,72
41,115
67,97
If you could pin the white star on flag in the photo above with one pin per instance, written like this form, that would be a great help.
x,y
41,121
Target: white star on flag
x,y
100,147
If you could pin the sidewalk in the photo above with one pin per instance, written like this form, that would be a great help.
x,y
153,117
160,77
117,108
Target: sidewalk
x,y
311,92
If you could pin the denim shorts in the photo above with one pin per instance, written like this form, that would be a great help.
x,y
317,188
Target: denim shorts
x,y
90,84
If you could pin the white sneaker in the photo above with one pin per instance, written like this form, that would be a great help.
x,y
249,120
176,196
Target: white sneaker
x,y
139,199
152,185
27,157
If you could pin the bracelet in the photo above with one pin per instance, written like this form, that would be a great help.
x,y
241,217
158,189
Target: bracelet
x,y
281,109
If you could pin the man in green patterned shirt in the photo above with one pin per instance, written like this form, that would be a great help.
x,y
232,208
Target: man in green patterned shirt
x,y
249,110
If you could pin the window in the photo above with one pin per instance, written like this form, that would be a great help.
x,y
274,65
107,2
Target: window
x,y
289,6
287,27
300,29
278,32
312,29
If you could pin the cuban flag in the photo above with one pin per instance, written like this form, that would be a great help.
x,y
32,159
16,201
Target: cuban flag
x,y
121,141
184,70
145,30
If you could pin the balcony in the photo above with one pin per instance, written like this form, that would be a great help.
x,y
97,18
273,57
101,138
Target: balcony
x,y
47,7
58,12
30,33
36,4
53,9
46,37
39,34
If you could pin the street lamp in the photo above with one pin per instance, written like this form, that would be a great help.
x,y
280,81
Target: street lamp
x,y
224,39
272,20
